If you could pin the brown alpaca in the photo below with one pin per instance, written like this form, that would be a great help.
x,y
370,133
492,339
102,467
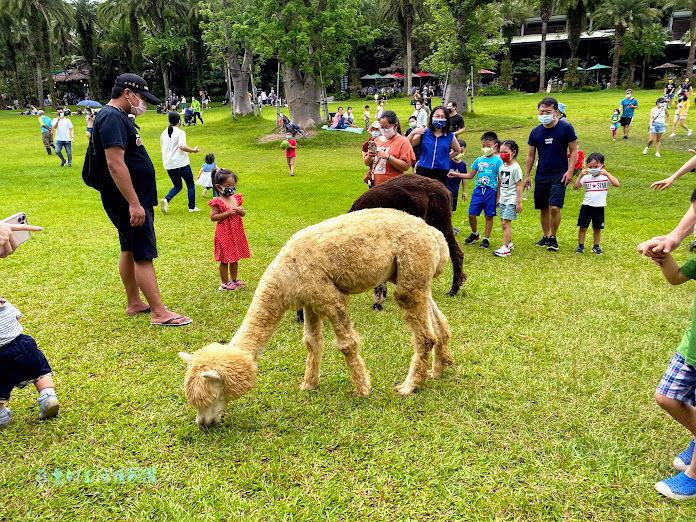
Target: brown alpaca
x,y
317,270
429,200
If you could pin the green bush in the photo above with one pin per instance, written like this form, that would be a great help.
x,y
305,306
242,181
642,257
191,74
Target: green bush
x,y
590,88
493,90
340,96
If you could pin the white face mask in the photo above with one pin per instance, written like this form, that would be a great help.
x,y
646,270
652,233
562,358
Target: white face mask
x,y
594,172
140,109
388,132
628,96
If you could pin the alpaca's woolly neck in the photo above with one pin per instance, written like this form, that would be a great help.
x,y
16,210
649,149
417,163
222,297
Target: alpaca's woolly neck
x,y
262,318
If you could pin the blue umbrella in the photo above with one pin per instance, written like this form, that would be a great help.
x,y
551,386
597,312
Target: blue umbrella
x,y
90,103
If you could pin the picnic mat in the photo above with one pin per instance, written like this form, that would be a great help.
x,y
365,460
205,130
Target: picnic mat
x,y
356,130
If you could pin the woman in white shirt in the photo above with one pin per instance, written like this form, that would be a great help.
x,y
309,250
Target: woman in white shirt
x,y
658,116
175,159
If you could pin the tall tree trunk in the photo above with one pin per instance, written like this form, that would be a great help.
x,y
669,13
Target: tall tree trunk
x,y
303,93
48,48
164,68
36,28
642,73
408,12
136,57
545,13
632,72
39,83
240,82
618,39
575,23
456,90
692,49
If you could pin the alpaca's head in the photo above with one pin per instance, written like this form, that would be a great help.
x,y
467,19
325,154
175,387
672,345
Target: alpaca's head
x,y
216,375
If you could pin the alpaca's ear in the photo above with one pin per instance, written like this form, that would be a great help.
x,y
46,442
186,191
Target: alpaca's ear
x,y
212,375
186,357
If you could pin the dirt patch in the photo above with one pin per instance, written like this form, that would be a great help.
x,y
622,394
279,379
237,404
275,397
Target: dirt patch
x,y
279,135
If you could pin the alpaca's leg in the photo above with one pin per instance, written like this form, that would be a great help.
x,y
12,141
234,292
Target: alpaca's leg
x,y
441,355
414,303
314,342
348,343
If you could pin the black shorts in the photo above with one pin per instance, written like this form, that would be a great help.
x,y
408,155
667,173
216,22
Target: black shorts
x,y
593,214
625,121
549,194
438,174
138,240
455,198
21,363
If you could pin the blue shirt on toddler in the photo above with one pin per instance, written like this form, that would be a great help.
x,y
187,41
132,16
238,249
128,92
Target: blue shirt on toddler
x,y
453,183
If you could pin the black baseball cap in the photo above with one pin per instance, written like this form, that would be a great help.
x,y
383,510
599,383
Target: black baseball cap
x,y
136,84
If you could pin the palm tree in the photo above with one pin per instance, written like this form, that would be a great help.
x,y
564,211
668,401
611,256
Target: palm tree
x,y
403,12
197,46
116,46
513,14
691,5
576,23
133,11
624,15
156,15
86,18
14,37
545,11
40,15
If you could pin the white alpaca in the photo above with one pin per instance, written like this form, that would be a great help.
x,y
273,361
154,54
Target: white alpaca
x,y
317,270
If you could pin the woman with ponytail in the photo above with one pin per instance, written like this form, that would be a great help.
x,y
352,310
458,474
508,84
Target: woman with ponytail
x,y
175,159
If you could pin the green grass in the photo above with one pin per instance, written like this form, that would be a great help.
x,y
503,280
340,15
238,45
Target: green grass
x,y
547,415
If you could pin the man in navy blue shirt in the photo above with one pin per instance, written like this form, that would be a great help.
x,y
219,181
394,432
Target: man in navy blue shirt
x,y
129,193
552,139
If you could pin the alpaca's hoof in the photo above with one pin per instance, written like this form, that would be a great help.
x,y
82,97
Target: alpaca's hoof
x,y
305,386
404,389
362,392
452,292
377,307
434,374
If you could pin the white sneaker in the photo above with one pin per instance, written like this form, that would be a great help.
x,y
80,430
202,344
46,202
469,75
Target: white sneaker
x,y
194,209
510,246
657,154
163,205
205,192
689,132
672,135
645,150
503,251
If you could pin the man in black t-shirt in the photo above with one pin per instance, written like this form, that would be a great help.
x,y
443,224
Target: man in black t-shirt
x,y
456,120
129,193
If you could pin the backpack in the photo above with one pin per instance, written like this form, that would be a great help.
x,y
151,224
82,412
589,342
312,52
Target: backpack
x,y
90,172
90,169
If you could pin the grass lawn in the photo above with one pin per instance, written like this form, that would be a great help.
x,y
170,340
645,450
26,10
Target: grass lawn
x,y
547,415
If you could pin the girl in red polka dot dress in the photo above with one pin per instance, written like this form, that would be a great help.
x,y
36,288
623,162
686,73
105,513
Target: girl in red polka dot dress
x,y
230,241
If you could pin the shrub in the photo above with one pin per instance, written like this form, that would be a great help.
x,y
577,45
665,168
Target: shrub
x,y
590,88
340,96
493,90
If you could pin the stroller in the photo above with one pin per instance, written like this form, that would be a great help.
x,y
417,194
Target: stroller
x,y
188,116
290,127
